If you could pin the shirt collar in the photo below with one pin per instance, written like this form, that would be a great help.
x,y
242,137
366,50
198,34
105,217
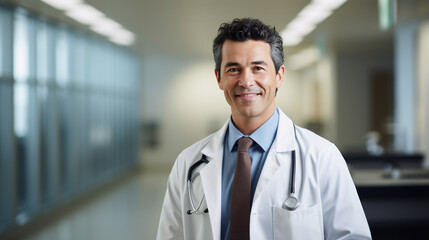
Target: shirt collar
x,y
263,136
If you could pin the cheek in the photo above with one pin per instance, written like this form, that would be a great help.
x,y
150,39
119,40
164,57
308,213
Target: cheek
x,y
227,85
267,83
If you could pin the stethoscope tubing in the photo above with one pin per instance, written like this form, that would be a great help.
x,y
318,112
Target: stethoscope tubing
x,y
195,210
292,181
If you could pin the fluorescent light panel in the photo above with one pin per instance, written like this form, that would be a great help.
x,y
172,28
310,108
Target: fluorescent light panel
x,y
123,37
105,26
301,26
84,14
307,20
96,20
330,4
62,4
304,58
314,13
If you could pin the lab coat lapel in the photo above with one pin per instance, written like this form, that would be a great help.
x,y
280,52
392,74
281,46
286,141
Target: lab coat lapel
x,y
283,143
211,178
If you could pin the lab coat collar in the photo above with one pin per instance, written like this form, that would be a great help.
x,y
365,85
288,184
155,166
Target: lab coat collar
x,y
211,178
279,153
211,174
213,147
285,139
263,136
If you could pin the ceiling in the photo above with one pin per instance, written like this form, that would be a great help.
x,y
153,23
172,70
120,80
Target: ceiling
x,y
188,27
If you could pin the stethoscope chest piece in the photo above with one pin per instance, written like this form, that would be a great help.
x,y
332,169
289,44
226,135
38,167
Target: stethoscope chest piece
x,y
291,203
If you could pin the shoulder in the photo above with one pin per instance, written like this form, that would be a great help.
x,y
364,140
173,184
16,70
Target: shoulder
x,y
322,152
188,156
195,149
313,140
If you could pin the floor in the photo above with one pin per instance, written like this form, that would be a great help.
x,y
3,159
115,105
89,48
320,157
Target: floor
x,y
129,211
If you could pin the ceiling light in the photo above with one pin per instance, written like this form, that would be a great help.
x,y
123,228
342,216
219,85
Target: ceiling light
x,y
304,58
84,14
301,26
315,14
97,21
62,4
105,26
329,4
290,39
307,20
123,37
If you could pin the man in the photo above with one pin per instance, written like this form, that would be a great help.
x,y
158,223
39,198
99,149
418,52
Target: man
x,y
223,201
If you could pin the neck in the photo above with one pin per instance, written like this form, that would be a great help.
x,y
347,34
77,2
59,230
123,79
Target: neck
x,y
247,125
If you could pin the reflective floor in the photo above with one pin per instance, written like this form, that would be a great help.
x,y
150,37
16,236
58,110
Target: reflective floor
x,y
129,211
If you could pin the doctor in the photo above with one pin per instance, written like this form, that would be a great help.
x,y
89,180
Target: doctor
x,y
286,160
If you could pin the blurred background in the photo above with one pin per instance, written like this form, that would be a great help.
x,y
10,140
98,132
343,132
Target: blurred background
x,y
98,97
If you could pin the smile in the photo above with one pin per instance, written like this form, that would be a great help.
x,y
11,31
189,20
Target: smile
x,y
247,95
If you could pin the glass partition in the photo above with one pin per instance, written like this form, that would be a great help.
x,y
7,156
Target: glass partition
x,y
68,120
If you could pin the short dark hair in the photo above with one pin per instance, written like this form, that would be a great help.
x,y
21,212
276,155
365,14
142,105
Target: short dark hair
x,y
244,29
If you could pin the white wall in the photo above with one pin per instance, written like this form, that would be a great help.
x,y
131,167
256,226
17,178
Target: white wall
x,y
423,94
183,96
311,94
354,71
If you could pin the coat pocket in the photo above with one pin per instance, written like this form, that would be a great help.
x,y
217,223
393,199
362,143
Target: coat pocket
x,y
303,223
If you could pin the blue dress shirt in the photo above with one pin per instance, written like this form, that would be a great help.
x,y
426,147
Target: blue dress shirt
x,y
263,138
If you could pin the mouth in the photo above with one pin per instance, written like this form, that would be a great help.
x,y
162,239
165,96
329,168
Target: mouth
x,y
247,95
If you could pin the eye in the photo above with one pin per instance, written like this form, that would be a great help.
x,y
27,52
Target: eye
x,y
258,68
232,70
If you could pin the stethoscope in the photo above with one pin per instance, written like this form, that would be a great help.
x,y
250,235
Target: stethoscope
x,y
195,208
291,203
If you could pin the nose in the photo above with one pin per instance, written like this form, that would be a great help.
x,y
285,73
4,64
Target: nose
x,y
246,79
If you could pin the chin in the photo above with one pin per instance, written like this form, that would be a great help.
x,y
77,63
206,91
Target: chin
x,y
250,112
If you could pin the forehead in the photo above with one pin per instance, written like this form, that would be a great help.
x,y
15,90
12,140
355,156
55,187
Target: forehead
x,y
247,51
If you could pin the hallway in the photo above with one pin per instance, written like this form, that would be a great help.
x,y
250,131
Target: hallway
x,y
129,210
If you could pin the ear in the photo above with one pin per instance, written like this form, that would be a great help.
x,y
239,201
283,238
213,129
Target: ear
x,y
218,79
280,75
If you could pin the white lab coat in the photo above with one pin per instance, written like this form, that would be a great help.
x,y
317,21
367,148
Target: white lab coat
x,y
330,207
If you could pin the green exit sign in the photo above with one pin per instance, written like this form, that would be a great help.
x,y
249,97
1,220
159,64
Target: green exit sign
x,y
386,13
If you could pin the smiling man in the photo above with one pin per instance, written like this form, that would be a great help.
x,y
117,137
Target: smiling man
x,y
260,176
249,80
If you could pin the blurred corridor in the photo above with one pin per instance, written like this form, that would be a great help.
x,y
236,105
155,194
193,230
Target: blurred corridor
x,y
128,209
84,107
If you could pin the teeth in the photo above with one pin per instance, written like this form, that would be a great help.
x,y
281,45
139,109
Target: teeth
x,y
248,95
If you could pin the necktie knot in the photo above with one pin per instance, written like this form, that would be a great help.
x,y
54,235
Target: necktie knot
x,y
244,143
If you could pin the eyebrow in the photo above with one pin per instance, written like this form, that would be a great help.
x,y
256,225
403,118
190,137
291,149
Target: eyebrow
x,y
259,63
230,64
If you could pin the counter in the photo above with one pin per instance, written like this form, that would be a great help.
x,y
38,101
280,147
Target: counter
x,y
396,204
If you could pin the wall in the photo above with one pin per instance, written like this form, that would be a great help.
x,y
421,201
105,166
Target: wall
x,y
354,69
182,95
423,86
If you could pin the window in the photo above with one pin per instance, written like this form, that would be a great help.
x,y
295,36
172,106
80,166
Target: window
x,y
7,169
67,102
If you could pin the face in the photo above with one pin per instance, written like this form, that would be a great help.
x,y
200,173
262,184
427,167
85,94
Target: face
x,y
249,79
